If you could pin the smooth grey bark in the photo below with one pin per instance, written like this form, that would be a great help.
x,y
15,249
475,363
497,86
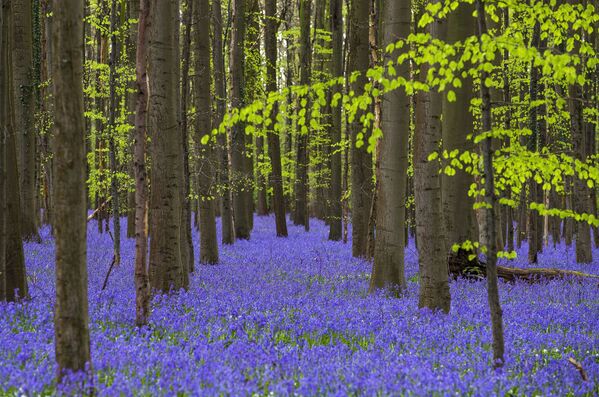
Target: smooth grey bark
x,y
492,204
220,92
142,278
301,215
186,221
430,234
361,160
114,182
204,152
458,122
274,144
16,281
24,111
388,269
167,271
335,210
580,193
71,310
3,117
239,172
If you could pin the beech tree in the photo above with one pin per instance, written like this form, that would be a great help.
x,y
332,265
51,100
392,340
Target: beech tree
x,y
240,176
24,111
274,144
204,147
392,167
220,93
142,278
14,264
361,160
335,210
71,310
167,270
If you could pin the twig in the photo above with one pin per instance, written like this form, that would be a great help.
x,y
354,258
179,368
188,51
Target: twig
x,y
578,366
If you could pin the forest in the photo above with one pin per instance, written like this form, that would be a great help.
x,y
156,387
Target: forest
x,y
299,197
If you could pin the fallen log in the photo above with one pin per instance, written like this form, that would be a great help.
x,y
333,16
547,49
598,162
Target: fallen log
x,y
461,266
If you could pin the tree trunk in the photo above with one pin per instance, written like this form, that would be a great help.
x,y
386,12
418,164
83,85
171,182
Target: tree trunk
x,y
335,214
114,183
274,145
24,111
492,203
301,215
361,160
186,223
16,281
167,271
204,151
71,310
460,220
239,172
227,229
3,163
142,279
392,165
432,253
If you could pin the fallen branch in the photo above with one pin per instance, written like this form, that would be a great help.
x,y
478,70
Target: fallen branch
x,y
578,366
461,266
114,261
97,210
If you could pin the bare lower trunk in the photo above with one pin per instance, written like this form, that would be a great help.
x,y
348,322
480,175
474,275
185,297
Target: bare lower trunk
x,y
24,111
3,163
142,279
167,271
15,275
71,310
361,160
335,211
227,228
239,175
274,145
492,204
114,182
186,222
301,215
432,253
204,151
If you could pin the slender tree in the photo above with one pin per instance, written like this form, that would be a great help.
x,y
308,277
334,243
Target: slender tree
x,y
167,271
388,269
432,253
301,178
361,160
186,223
220,92
142,280
24,110
114,181
204,148
335,210
71,310
580,196
274,145
240,177
492,203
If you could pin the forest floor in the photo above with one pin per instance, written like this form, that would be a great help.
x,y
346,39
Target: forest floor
x,y
292,316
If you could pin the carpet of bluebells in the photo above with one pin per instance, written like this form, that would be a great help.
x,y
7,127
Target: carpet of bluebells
x,y
292,317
